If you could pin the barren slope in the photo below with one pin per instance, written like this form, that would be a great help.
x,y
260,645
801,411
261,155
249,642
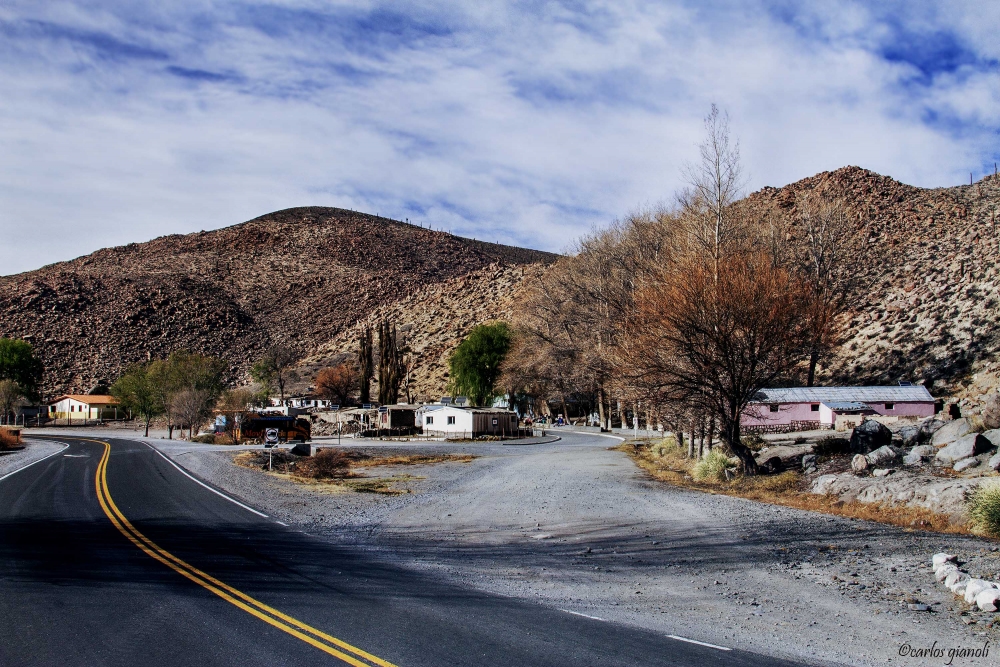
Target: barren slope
x,y
298,276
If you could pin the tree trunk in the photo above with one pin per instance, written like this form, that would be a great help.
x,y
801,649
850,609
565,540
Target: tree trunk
x,y
691,440
562,397
148,419
170,431
711,432
731,434
701,437
600,405
813,361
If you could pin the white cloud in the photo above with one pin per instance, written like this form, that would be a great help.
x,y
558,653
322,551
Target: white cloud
x,y
524,125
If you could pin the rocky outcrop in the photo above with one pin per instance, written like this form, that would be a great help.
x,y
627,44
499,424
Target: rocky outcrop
x,y
868,436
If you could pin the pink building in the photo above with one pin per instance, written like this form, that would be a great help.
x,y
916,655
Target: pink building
x,y
807,408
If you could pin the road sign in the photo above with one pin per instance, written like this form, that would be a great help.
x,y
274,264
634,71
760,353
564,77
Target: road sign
x,y
271,437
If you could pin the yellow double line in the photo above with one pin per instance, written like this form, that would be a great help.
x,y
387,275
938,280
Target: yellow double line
x,y
310,635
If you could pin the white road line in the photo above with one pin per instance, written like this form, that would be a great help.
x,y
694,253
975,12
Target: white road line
x,y
281,523
576,613
65,447
694,641
198,481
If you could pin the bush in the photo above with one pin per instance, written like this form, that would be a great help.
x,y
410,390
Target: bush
x,y
664,446
204,439
8,439
754,442
831,446
713,467
327,463
984,508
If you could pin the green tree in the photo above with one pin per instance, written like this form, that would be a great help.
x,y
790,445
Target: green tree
x,y
19,363
274,370
475,365
140,390
189,383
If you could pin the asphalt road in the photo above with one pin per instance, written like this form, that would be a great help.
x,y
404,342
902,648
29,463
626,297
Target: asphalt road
x,y
110,555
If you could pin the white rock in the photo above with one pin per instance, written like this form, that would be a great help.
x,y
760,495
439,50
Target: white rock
x,y
965,464
942,572
954,578
994,463
988,600
859,463
951,432
939,559
958,588
912,459
966,446
974,587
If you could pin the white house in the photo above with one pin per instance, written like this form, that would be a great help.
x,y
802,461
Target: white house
x,y
77,406
449,420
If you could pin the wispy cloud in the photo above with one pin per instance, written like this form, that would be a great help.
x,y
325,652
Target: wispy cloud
x,y
527,123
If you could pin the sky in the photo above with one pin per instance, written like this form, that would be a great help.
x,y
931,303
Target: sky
x,y
528,123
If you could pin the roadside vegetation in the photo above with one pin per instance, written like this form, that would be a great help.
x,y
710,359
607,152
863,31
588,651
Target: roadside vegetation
x,y
342,470
666,461
9,440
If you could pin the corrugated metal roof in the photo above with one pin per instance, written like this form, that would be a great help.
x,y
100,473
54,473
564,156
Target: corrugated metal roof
x,y
915,394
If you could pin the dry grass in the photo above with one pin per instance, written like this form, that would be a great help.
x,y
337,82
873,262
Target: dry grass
x,y
332,469
8,439
667,463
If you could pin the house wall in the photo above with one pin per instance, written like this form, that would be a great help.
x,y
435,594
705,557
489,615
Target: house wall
x,y
463,421
759,415
70,408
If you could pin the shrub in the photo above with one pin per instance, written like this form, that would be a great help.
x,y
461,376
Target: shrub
x,y
9,439
204,439
984,508
831,446
713,467
327,463
754,442
664,446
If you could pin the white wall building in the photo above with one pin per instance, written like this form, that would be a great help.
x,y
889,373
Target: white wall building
x,y
77,406
449,420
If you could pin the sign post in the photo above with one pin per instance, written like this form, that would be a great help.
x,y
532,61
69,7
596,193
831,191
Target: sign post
x,y
270,441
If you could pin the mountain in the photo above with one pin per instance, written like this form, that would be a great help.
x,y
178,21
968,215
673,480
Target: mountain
x,y
299,277
931,315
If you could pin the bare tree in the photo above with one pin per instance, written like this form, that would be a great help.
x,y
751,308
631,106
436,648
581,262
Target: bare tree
x,y
715,183
190,406
711,335
274,369
234,405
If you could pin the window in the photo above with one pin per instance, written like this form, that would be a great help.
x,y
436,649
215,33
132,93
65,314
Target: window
x,y
773,407
495,422
888,406
814,407
430,420
451,420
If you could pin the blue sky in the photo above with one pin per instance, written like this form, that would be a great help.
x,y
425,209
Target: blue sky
x,y
528,123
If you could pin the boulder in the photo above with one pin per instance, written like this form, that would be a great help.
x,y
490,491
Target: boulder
x,y
954,578
994,462
966,446
808,461
929,427
939,559
942,572
976,586
951,432
989,599
926,451
870,435
993,435
772,465
965,464
882,456
859,463
910,435
912,459
882,472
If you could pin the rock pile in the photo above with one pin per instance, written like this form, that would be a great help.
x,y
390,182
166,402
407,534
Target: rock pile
x,y
983,594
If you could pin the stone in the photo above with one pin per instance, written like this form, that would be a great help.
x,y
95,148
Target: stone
x,y
993,435
927,451
965,464
882,472
881,456
966,446
929,427
988,600
859,463
942,572
954,578
303,449
918,606
912,459
909,435
939,559
808,461
773,465
870,435
974,587
951,432
994,462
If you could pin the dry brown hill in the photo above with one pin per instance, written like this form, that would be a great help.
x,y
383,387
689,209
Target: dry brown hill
x,y
932,316
300,277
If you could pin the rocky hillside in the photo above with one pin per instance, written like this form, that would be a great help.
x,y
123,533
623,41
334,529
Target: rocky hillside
x,y
301,277
931,316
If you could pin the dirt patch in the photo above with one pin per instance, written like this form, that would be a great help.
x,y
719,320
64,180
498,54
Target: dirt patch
x,y
336,469
789,488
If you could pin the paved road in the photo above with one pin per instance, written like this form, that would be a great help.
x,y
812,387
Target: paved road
x,y
110,555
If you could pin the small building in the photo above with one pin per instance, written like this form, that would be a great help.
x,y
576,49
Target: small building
x,y
449,420
83,406
783,410
399,416
304,402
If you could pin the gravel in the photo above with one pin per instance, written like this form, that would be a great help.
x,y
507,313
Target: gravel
x,y
34,450
578,527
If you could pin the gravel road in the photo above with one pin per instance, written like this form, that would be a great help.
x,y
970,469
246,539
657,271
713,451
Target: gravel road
x,y
577,526
32,451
